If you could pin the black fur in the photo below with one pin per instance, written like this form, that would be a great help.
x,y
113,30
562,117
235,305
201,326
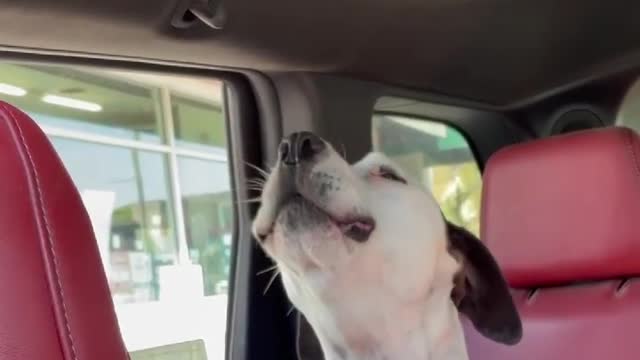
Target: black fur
x,y
481,292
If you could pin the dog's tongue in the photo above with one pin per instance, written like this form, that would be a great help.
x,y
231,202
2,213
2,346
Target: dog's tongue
x,y
358,230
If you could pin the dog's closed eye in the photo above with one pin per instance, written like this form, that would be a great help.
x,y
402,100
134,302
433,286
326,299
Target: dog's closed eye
x,y
388,173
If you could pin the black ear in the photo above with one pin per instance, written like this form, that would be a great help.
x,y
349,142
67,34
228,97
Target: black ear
x,y
480,291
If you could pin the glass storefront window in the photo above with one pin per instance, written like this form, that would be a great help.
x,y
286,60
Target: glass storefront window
x,y
77,100
168,279
127,196
206,200
198,126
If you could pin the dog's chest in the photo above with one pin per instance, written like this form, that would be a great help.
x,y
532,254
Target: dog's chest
x,y
438,336
450,354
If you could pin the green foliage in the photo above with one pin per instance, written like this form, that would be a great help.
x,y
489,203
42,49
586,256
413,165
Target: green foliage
x,y
214,264
467,186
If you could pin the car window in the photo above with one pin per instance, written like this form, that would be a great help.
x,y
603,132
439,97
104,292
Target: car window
x,y
440,158
148,154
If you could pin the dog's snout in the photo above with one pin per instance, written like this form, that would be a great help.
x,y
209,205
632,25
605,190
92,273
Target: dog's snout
x,y
299,147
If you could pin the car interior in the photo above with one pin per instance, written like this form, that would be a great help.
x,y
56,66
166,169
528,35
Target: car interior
x,y
132,134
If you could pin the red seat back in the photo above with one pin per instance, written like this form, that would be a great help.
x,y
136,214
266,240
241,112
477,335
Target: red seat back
x,y
54,299
562,217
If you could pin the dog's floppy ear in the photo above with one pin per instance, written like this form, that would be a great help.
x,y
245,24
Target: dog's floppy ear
x,y
480,291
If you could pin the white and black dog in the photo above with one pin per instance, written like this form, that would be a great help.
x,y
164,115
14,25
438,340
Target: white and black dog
x,y
366,256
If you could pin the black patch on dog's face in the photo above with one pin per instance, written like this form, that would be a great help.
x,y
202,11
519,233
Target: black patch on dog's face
x,y
480,291
322,184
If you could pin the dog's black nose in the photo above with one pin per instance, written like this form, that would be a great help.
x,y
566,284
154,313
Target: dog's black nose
x,y
299,147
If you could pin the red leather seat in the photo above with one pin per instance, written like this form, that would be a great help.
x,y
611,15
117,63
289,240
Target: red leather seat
x,y
562,217
54,299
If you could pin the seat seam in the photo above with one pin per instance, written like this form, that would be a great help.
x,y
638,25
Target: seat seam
x,y
634,156
48,233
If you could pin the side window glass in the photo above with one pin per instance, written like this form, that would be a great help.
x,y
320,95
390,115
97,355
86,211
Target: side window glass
x,y
148,154
440,158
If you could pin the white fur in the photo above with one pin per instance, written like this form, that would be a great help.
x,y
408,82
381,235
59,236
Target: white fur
x,y
386,298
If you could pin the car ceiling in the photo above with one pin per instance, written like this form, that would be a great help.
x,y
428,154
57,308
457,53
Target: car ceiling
x,y
500,53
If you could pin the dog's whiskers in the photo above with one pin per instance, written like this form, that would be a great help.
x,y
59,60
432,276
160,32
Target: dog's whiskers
x,y
271,281
249,201
256,182
258,179
255,186
240,196
260,170
344,151
293,308
267,270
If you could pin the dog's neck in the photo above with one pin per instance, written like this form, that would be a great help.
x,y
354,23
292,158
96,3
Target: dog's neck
x,y
433,332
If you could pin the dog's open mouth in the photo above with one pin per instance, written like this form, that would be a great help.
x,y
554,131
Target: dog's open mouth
x,y
299,213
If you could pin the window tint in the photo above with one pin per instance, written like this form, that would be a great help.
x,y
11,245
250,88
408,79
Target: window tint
x,y
148,155
439,157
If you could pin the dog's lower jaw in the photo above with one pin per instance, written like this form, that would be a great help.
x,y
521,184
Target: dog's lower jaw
x,y
438,337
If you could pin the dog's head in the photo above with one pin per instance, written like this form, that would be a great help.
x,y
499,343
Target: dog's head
x,y
364,239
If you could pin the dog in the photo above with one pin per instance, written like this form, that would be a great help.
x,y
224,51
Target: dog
x,y
365,254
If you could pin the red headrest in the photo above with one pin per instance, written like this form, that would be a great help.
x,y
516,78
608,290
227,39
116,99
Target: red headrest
x,y
54,299
565,208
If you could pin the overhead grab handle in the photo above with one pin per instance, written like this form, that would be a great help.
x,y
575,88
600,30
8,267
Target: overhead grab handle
x,y
210,12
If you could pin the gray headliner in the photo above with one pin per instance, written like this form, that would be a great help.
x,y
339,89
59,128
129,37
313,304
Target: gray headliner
x,y
496,52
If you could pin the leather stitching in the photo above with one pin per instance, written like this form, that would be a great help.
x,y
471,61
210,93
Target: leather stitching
x,y
49,234
629,137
